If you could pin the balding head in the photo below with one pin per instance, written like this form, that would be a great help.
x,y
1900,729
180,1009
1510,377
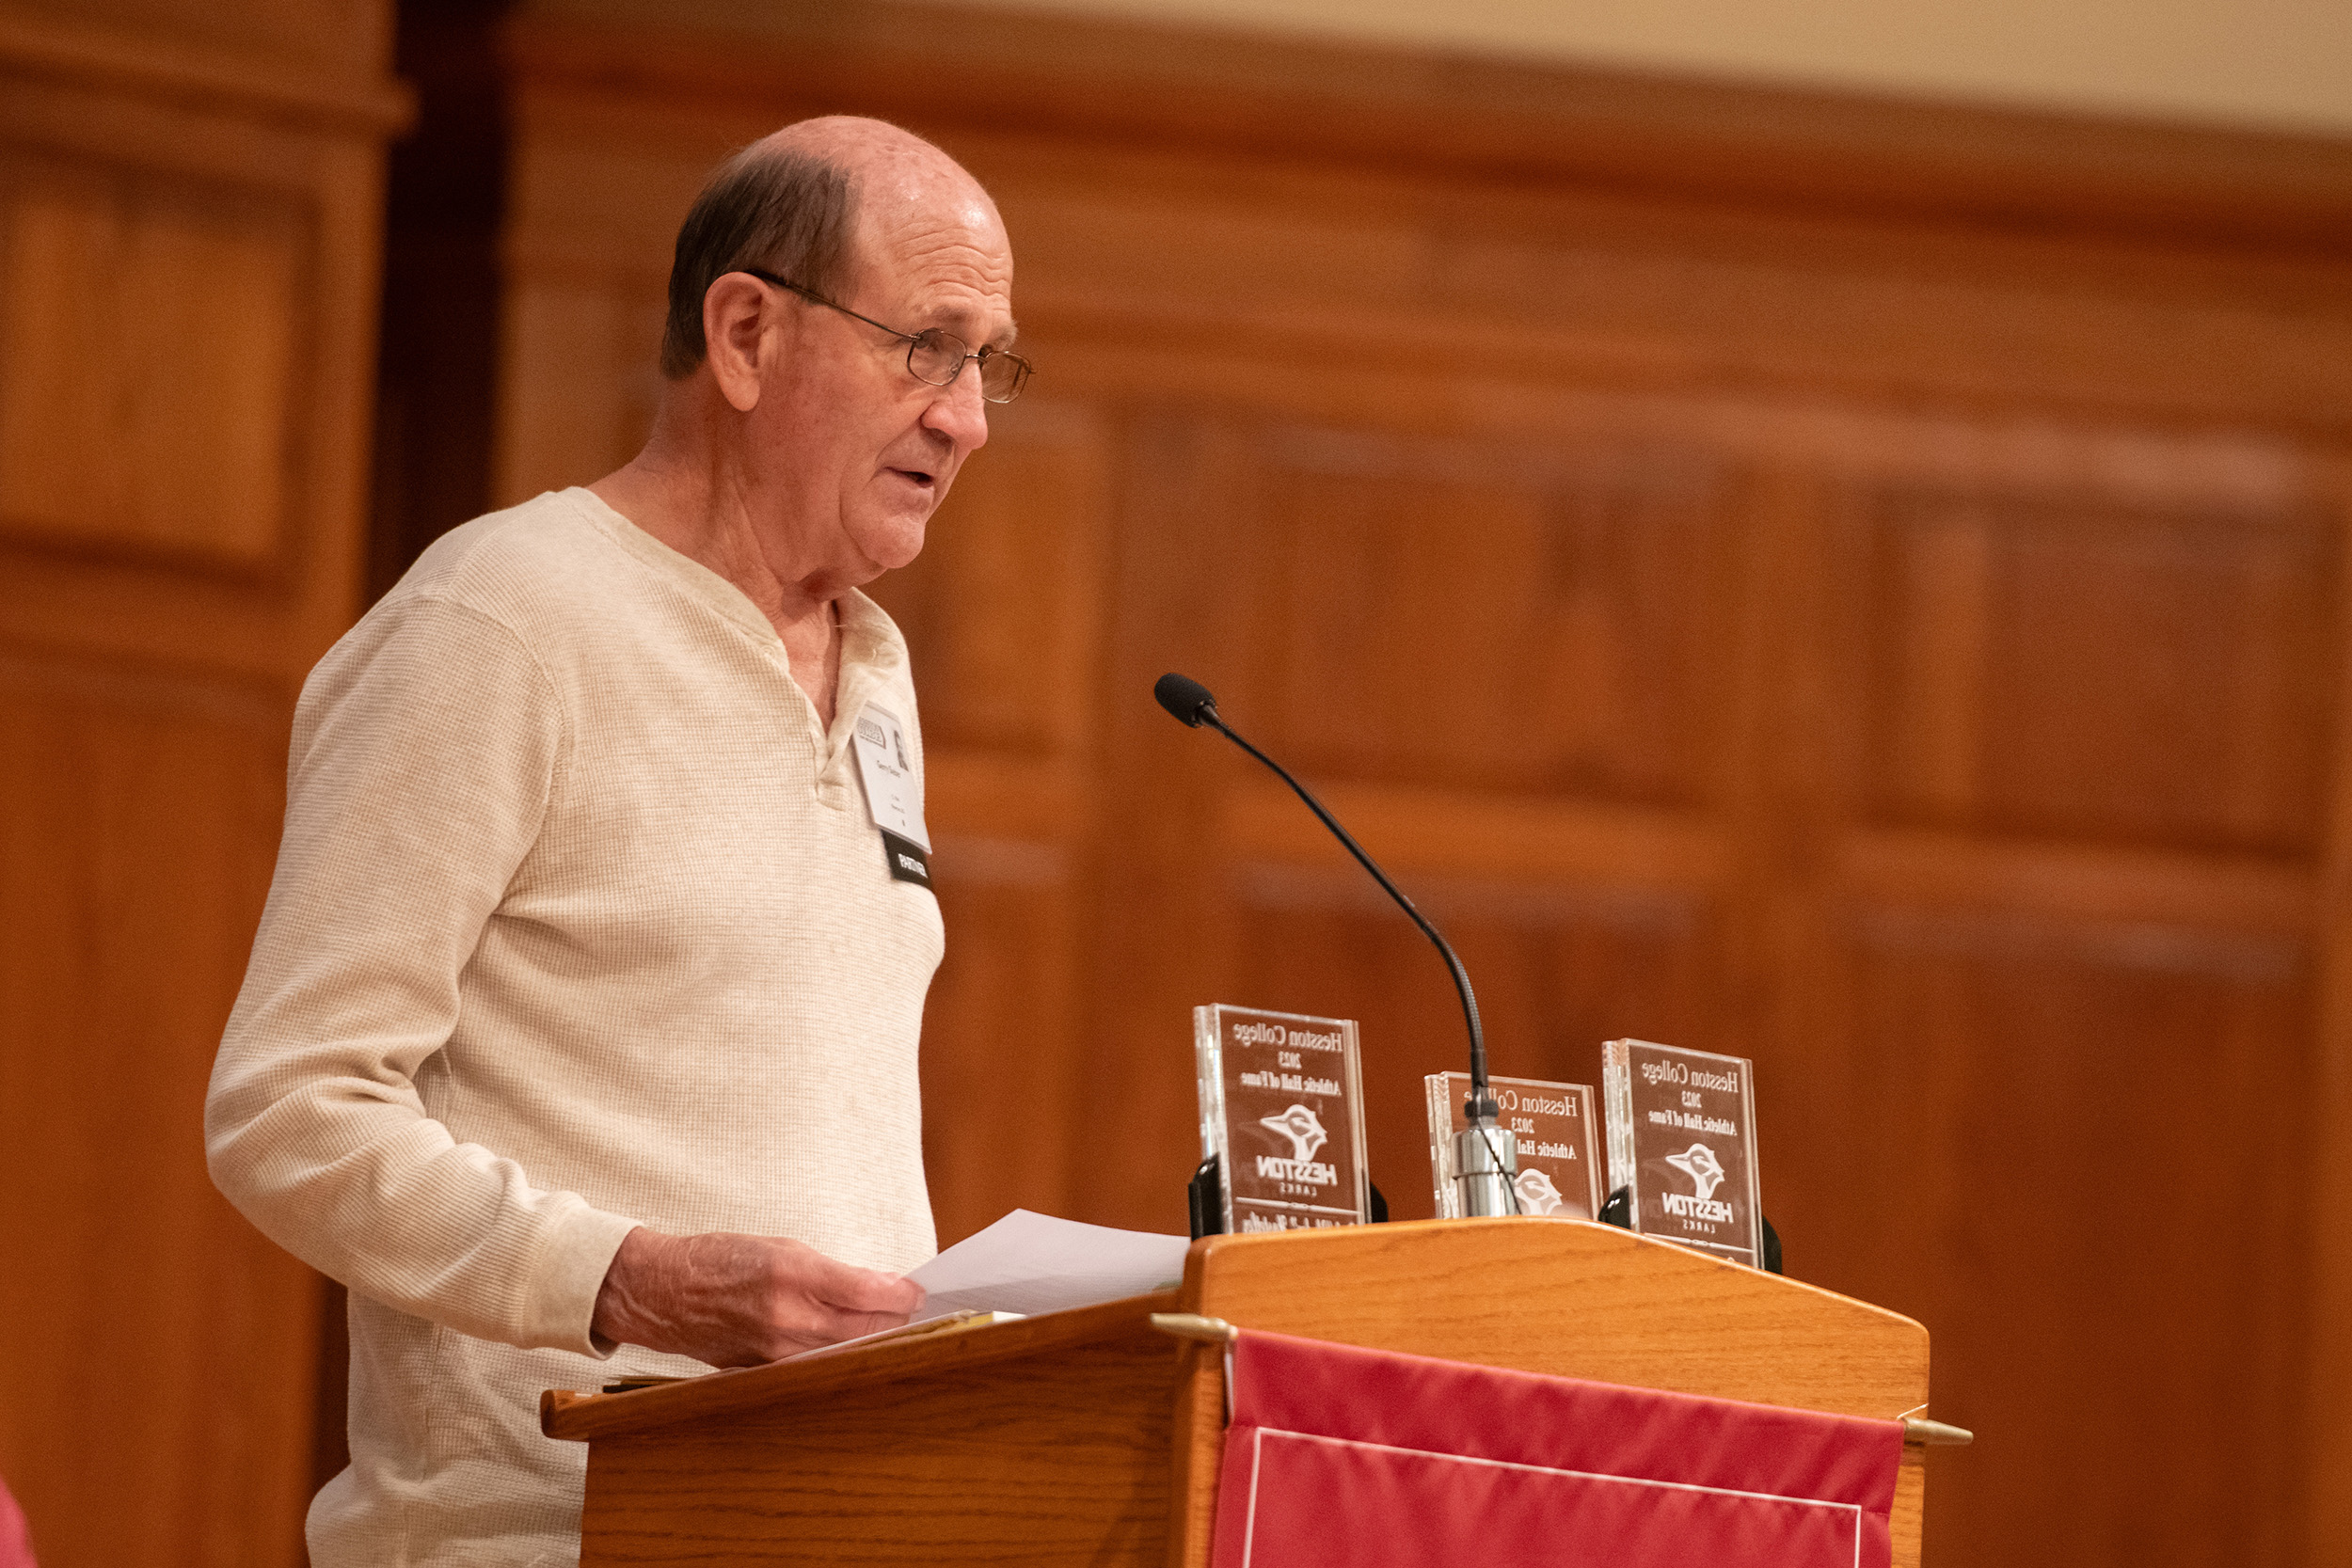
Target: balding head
x,y
885,165
811,203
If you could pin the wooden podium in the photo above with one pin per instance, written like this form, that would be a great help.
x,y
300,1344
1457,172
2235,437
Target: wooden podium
x,y
1091,1437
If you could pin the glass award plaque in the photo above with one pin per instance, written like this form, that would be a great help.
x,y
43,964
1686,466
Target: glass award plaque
x,y
1282,1113
1558,1172
1682,1142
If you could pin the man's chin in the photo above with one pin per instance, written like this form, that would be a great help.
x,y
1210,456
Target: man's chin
x,y
895,542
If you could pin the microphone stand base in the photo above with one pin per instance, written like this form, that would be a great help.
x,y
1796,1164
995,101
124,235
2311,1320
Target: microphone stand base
x,y
1487,1160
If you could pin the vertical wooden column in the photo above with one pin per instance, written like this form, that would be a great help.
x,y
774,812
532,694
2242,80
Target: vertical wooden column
x,y
189,271
2326,1440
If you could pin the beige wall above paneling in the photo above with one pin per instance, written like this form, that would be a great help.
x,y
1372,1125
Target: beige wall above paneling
x,y
2285,62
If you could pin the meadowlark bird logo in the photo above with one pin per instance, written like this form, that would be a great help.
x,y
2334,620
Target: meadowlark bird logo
x,y
1302,1127
1537,1195
1699,1163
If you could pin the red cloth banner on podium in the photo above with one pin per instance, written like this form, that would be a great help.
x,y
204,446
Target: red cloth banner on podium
x,y
1363,1459
16,1542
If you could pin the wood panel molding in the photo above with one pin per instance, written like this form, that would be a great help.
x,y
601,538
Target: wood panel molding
x,y
1999,701
136,688
174,72
170,433
169,460
1448,117
2328,1368
1512,838
139,810
2258,894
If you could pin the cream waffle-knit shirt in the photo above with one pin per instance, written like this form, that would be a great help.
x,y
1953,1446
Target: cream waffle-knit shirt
x,y
580,922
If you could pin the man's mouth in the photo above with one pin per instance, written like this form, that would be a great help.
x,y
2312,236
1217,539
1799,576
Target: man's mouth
x,y
917,475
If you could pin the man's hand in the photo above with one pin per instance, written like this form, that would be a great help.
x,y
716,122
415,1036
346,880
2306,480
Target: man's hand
x,y
739,1300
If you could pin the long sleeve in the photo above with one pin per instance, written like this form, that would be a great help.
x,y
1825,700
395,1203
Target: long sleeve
x,y
426,750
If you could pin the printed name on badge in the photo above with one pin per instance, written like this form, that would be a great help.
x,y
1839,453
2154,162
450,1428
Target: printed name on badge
x,y
892,798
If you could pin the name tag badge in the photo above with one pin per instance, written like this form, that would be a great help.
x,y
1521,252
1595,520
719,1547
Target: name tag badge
x,y
892,795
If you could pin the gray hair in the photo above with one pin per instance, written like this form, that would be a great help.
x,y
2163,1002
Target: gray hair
x,y
787,212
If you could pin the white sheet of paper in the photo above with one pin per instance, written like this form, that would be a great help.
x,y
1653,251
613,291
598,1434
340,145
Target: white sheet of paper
x,y
1029,1262
913,1328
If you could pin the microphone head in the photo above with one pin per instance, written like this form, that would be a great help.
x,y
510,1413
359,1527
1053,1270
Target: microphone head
x,y
1185,698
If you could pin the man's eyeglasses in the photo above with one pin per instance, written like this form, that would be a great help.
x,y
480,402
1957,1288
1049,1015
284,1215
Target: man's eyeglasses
x,y
932,354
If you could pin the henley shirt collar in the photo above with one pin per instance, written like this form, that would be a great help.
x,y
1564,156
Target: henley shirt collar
x,y
873,652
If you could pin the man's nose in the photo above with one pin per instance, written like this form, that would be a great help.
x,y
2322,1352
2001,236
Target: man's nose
x,y
959,412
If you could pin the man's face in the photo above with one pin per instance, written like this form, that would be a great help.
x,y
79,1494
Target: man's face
x,y
857,448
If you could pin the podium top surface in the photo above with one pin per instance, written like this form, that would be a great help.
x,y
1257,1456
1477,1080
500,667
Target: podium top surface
x,y
1565,1297
1571,1298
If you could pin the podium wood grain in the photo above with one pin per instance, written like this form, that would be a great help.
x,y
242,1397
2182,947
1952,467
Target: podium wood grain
x,y
1089,1438
1043,1441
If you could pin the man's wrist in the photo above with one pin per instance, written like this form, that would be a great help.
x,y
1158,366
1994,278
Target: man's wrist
x,y
621,1316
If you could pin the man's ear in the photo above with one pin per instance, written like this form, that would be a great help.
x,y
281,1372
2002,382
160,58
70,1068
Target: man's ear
x,y
738,311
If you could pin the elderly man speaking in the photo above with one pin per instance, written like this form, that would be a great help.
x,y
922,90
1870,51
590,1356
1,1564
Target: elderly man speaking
x,y
583,1019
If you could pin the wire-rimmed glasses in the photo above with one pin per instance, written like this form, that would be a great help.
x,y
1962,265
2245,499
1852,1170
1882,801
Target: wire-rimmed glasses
x,y
933,354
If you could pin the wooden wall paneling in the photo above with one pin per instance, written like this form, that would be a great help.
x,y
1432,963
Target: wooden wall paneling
x,y
1290,254
262,186
1526,630
1003,612
2027,996
595,187
1002,1046
445,205
1247,100
1501,616
320,54
2042,618
2041,1118
187,269
1901,525
1006,592
164,427
1669,287
590,400
1162,929
2326,1517
1773,816
138,830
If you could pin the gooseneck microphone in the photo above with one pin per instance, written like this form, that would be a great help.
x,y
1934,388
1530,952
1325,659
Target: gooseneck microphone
x,y
1486,1154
